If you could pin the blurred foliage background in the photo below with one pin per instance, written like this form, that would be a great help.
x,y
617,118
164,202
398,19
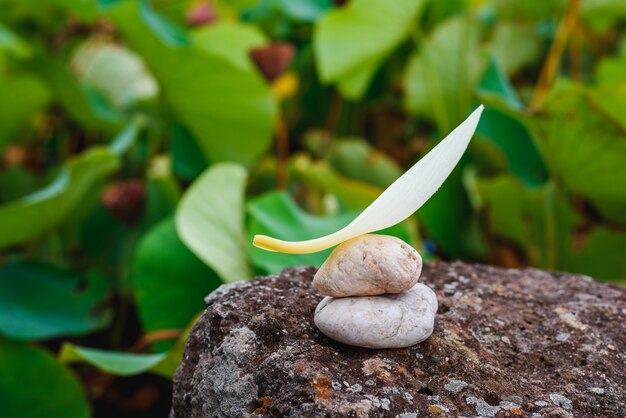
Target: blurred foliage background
x,y
143,144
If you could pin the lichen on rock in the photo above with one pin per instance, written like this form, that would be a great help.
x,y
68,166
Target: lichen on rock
x,y
506,343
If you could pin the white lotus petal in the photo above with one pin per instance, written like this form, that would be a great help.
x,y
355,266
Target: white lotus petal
x,y
398,201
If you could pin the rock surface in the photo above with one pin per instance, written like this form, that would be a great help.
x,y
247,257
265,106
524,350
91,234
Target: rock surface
x,y
369,265
385,321
506,343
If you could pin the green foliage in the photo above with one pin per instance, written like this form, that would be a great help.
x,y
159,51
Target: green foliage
x,y
228,109
350,43
162,260
50,302
41,211
209,220
117,363
30,96
33,384
143,144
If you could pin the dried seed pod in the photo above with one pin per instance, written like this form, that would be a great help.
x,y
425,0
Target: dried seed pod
x,y
125,200
201,14
273,59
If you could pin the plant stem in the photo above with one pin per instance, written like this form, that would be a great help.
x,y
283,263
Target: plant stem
x,y
282,151
334,113
154,336
575,52
551,65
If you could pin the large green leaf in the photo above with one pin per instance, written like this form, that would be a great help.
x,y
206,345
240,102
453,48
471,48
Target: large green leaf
x,y
114,362
600,256
231,41
22,96
42,301
441,76
610,70
507,132
352,193
170,281
352,41
515,45
188,161
539,221
446,217
34,385
77,101
11,42
42,211
229,110
602,12
543,225
127,364
584,149
209,220
276,214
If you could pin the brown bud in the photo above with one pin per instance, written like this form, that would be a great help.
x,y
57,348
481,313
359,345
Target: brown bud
x,y
125,200
273,59
200,14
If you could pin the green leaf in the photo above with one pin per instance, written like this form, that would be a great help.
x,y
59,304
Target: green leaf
x,y
351,42
538,220
41,301
305,10
115,72
114,362
162,197
530,11
40,212
610,71
76,100
515,45
353,194
509,133
441,77
601,255
188,161
34,385
446,215
356,159
127,137
22,97
230,41
16,182
169,280
11,42
229,111
516,142
583,148
602,12
276,214
209,220
495,83
167,32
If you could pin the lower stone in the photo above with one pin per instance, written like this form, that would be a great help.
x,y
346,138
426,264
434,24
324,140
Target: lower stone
x,y
506,343
384,321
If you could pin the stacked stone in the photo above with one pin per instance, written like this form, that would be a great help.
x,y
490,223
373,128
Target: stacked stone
x,y
373,299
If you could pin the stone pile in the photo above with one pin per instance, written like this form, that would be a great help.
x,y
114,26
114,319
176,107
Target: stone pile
x,y
372,298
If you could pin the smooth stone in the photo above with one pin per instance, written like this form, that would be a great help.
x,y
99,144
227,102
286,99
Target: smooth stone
x,y
369,265
387,321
